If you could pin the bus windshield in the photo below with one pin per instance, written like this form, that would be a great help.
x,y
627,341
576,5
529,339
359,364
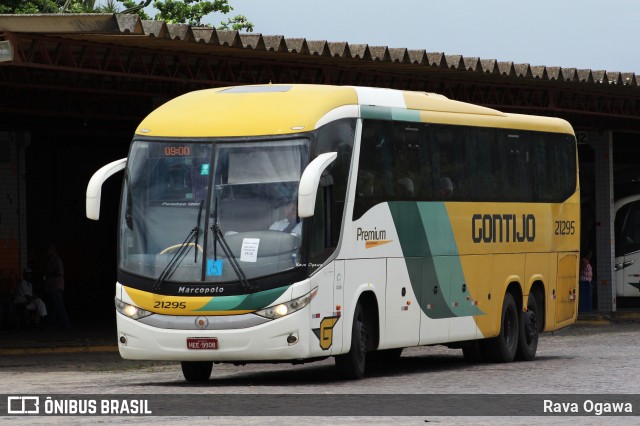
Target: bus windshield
x,y
178,194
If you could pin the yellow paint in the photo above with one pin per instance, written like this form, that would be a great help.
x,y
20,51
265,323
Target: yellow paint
x,y
504,121
567,300
438,103
213,112
159,303
326,332
489,267
545,214
371,244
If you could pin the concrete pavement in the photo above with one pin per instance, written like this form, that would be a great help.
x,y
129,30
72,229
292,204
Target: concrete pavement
x,y
102,336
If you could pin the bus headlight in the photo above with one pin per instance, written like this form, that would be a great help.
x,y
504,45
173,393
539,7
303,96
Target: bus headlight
x,y
131,311
278,311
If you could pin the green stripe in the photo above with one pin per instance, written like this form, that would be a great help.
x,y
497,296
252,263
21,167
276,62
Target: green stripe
x,y
417,252
431,255
388,113
244,302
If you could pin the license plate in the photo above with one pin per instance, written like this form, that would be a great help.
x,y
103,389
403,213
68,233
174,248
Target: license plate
x,y
202,343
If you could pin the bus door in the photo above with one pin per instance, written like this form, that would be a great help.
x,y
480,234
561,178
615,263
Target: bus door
x,y
566,301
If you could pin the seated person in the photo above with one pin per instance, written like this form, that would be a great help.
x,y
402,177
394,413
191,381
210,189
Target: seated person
x,y
291,223
365,184
445,188
25,296
406,188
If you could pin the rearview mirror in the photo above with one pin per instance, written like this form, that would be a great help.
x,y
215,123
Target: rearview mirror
x,y
94,189
309,181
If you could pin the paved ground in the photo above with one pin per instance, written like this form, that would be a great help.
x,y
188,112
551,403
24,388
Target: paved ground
x,y
596,356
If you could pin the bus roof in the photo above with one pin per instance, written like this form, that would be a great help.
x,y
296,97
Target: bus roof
x,y
286,109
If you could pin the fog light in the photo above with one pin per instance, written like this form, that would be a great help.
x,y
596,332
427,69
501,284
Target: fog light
x,y
292,339
123,340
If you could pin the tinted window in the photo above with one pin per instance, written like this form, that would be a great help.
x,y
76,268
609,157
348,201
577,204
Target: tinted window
x,y
484,165
424,162
376,178
515,158
630,235
449,162
337,137
414,178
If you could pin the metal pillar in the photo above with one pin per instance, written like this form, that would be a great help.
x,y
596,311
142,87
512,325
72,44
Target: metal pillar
x,y
602,143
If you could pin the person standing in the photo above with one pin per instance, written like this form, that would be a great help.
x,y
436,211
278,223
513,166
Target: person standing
x,y
586,276
54,286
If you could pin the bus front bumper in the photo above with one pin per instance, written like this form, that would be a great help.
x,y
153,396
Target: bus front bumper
x,y
283,339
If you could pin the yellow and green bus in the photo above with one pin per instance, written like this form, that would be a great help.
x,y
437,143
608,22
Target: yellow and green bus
x,y
291,223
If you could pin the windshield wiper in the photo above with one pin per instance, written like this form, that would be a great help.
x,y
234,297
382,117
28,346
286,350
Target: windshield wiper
x,y
217,235
180,252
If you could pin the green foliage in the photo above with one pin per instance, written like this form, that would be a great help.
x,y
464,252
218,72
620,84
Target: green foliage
x,y
128,4
48,6
238,22
193,11
190,12
30,6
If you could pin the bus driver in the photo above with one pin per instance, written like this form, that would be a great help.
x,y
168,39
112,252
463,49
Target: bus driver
x,y
291,222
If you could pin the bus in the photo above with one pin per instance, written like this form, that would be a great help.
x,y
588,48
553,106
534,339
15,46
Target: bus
x,y
292,223
627,250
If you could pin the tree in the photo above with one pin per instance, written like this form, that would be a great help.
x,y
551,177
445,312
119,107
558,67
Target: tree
x,y
189,12
49,6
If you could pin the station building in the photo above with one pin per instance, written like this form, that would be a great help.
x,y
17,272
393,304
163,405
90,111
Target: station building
x,y
74,87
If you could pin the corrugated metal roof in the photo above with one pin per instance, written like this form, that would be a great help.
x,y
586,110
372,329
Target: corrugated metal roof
x,y
130,30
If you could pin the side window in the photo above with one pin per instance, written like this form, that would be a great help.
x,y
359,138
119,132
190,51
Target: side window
x,y
553,166
620,220
326,223
630,235
449,162
412,165
543,168
376,181
485,170
564,152
516,160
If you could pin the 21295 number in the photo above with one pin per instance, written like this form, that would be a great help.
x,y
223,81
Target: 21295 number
x,y
170,305
565,227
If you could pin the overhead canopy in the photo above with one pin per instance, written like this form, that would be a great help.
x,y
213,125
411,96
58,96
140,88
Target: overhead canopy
x,y
63,57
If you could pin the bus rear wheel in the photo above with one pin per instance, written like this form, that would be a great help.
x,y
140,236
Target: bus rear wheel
x,y
503,347
529,331
351,365
196,371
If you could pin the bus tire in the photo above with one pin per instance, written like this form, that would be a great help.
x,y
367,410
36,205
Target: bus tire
x,y
503,347
196,371
529,331
351,365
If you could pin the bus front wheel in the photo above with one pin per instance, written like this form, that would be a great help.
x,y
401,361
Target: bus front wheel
x,y
502,348
196,371
351,365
